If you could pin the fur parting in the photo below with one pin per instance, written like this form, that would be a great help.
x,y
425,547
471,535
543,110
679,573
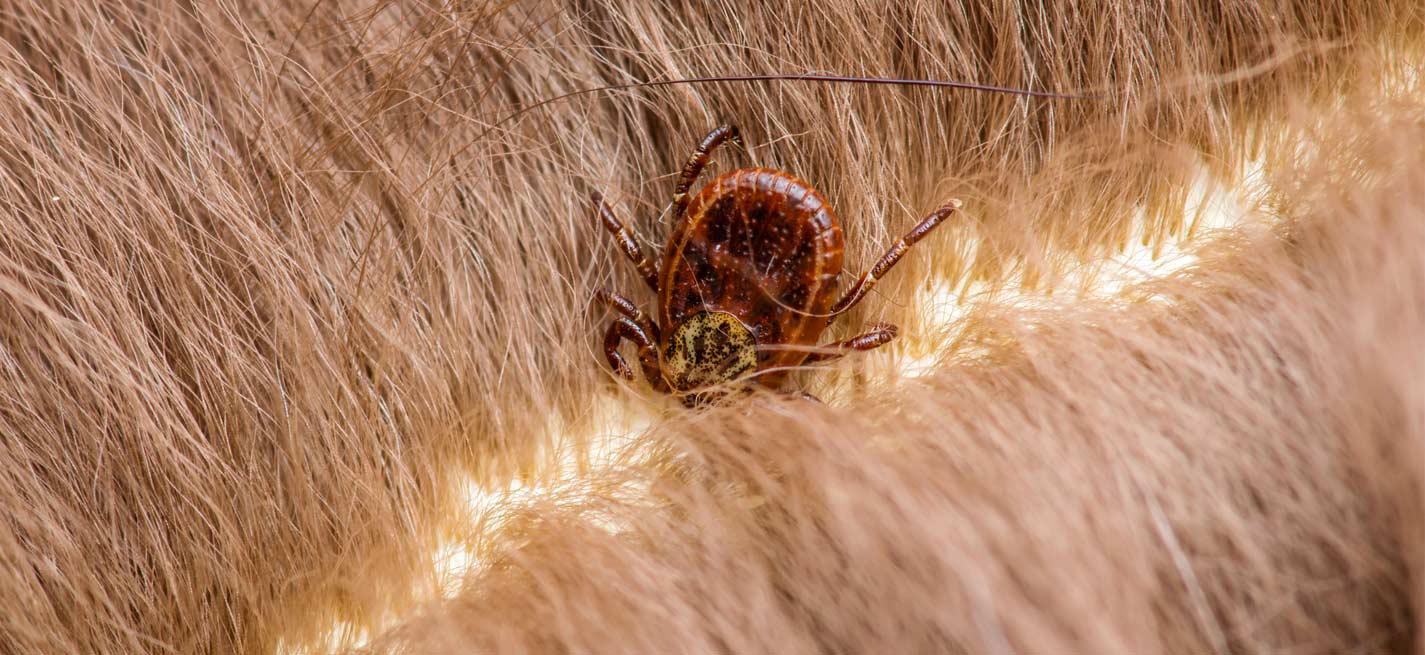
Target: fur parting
x,y
273,285
1237,469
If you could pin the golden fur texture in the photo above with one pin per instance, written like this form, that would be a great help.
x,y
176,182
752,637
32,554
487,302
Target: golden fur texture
x,y
1235,470
272,281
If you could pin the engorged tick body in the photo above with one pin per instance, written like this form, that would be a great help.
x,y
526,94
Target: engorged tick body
x,y
746,283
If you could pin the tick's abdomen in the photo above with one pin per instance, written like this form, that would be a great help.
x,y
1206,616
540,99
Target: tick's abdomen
x,y
763,246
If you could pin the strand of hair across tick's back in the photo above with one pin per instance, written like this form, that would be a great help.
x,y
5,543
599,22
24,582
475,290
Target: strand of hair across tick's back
x,y
782,77
799,77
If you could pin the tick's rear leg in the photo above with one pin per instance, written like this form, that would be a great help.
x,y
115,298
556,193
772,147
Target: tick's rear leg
x,y
625,239
720,135
879,335
898,250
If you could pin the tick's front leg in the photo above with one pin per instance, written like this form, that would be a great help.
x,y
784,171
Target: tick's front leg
x,y
623,328
879,335
637,327
626,307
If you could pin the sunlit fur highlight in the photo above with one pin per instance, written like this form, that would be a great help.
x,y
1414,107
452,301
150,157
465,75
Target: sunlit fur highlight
x,y
1236,469
271,287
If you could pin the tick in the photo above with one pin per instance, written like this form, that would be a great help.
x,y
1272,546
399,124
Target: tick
x,y
747,282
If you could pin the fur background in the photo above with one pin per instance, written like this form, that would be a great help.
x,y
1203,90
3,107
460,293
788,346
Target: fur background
x,y
275,280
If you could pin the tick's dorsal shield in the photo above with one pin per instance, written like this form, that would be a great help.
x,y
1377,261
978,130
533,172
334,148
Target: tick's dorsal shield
x,y
708,349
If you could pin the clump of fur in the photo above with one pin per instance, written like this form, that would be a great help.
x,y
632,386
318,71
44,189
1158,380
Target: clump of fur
x,y
269,279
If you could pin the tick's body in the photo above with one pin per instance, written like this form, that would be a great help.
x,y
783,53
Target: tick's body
x,y
747,282
763,246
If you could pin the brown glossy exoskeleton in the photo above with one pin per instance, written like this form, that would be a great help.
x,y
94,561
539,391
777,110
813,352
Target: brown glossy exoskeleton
x,y
746,284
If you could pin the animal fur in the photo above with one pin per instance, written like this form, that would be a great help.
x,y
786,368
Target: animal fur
x,y
1236,470
273,282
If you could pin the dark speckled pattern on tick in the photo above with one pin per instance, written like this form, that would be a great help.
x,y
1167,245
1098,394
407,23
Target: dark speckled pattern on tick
x,y
746,281
763,246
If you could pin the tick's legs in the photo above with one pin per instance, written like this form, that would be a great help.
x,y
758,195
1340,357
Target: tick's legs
x,y
636,327
686,178
621,329
720,135
879,335
898,250
626,241
626,307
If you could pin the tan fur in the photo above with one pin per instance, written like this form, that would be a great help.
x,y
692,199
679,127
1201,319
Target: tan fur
x,y
1237,471
271,283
